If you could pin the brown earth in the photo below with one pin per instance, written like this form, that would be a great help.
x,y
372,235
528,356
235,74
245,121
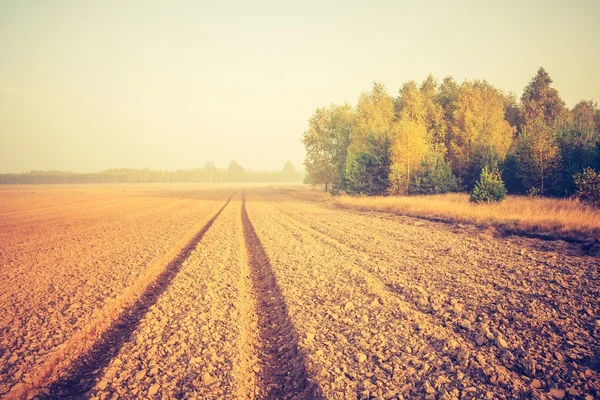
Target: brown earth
x,y
69,268
177,292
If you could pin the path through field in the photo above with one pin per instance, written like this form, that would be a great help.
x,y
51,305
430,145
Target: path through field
x,y
245,293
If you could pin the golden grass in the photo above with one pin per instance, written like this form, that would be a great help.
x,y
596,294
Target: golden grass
x,y
561,218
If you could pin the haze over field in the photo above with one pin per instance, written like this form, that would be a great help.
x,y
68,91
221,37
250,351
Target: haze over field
x,y
87,86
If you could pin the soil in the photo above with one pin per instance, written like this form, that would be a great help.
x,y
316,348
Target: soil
x,y
258,294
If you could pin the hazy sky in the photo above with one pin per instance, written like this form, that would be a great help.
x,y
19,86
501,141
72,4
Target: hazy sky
x,y
87,85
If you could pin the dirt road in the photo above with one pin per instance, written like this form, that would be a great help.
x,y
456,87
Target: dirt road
x,y
260,294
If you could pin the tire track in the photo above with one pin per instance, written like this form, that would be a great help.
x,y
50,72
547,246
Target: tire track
x,y
84,370
187,344
282,372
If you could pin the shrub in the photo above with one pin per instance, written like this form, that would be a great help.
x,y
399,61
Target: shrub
x,y
489,187
434,177
588,186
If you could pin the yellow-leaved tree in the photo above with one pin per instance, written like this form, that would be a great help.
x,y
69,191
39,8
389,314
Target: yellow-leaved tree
x,y
434,112
410,140
326,142
541,100
374,117
479,134
367,163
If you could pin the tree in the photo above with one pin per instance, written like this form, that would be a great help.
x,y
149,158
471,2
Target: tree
x,y
434,176
370,141
210,171
584,123
433,138
538,155
409,104
368,171
318,142
588,186
342,120
540,100
374,117
511,174
408,151
326,142
479,134
489,187
235,168
446,97
288,168
512,111
210,166
577,140
410,141
434,112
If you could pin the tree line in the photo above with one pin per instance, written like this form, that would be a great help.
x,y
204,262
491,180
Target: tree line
x,y
210,173
438,137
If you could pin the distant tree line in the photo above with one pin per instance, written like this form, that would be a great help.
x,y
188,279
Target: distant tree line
x,y
210,173
436,138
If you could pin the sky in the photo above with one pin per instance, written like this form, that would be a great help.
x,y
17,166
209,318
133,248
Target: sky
x,y
91,85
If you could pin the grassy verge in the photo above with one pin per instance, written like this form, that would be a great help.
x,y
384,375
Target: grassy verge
x,y
542,217
539,217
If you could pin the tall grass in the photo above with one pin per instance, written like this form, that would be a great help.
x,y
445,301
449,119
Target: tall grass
x,y
564,218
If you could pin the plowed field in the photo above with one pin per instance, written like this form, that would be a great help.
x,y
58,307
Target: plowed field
x,y
173,291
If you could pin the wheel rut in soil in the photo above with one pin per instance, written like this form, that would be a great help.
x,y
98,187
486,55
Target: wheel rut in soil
x,y
88,367
283,373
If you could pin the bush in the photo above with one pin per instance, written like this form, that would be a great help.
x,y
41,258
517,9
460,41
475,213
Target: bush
x,y
588,186
434,177
489,187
